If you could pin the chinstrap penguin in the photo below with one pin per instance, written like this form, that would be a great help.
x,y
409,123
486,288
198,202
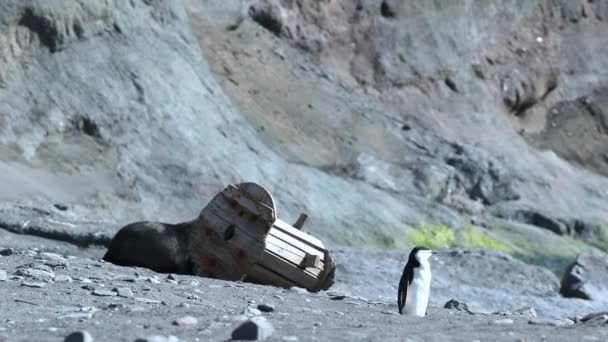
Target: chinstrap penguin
x,y
415,284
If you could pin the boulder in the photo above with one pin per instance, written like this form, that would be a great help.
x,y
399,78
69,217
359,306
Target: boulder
x,y
587,277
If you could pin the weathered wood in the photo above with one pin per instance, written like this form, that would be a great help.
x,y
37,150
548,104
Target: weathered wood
x,y
228,238
238,236
300,222
290,254
310,261
299,244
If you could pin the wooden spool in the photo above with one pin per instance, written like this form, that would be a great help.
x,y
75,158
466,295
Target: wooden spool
x,y
228,237
237,236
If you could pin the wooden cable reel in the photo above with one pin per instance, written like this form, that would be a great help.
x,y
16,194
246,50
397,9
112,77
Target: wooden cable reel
x,y
237,236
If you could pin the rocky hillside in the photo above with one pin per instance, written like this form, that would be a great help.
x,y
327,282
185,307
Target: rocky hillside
x,y
388,122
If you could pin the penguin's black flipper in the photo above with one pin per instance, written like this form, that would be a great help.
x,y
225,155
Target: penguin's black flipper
x,y
404,283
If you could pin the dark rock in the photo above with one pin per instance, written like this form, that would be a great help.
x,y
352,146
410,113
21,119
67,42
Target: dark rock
x,y
266,307
61,207
453,304
79,336
255,329
587,277
7,252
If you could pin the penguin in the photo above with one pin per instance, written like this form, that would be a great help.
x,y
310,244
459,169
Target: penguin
x,y
415,284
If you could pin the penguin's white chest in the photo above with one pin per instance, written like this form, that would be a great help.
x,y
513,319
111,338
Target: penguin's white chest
x,y
418,292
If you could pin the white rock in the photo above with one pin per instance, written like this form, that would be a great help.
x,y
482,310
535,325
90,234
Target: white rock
x,y
185,321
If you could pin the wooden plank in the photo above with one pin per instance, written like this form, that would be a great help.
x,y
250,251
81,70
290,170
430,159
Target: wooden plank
x,y
310,261
300,222
296,257
285,227
290,271
303,246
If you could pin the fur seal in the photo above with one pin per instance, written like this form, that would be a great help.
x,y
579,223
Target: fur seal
x,y
161,247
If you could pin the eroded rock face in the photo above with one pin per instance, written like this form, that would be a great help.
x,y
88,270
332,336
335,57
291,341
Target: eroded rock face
x,y
587,277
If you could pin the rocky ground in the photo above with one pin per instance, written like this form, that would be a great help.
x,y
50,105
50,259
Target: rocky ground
x,y
390,123
46,296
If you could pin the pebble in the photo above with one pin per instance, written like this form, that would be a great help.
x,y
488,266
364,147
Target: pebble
x,y
266,307
503,321
62,279
7,252
184,305
3,275
290,338
104,293
185,321
158,338
257,328
32,284
124,292
172,277
79,336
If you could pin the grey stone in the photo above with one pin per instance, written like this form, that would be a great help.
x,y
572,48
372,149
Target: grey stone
x,y
3,275
35,273
587,277
528,312
79,336
33,284
61,278
104,293
124,292
77,316
255,329
552,322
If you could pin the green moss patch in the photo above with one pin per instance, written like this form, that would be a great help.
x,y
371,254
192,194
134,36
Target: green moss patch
x,y
471,238
433,236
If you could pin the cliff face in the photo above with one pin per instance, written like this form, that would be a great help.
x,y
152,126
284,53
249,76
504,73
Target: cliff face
x,y
373,117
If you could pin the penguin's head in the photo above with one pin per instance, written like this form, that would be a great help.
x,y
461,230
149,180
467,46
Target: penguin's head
x,y
422,254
